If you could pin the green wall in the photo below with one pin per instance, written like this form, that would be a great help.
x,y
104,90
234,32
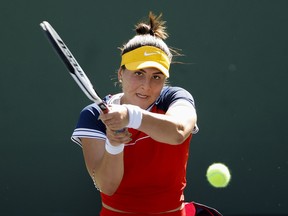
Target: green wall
x,y
238,68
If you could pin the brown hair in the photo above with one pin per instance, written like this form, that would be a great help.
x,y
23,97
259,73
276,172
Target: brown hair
x,y
151,33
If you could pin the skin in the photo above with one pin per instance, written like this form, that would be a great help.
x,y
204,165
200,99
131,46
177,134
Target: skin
x,y
140,88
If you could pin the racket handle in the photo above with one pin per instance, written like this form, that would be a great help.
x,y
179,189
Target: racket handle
x,y
103,106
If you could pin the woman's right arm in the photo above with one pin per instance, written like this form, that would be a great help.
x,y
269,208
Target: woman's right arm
x,y
105,169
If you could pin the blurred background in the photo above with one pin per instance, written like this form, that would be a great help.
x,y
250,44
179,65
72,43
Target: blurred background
x,y
237,70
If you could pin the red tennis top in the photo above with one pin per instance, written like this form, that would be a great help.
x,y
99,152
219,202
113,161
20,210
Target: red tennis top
x,y
154,173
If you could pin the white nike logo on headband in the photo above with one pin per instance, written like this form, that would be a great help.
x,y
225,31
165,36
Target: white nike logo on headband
x,y
152,53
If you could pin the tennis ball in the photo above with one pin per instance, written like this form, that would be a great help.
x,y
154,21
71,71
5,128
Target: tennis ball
x,y
218,175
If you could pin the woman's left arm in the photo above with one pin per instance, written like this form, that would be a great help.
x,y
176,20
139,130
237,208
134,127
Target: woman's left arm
x,y
174,126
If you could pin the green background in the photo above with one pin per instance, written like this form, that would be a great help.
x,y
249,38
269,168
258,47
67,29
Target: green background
x,y
237,64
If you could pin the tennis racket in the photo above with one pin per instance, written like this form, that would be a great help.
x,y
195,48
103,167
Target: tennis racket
x,y
72,65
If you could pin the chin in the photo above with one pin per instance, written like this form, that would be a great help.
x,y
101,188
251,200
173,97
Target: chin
x,y
141,104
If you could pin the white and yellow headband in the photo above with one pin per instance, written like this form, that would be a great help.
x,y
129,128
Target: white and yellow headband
x,y
146,56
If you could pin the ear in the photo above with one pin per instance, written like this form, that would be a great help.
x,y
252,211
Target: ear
x,y
120,71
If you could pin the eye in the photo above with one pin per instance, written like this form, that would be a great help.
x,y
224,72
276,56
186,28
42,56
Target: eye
x,y
156,77
138,73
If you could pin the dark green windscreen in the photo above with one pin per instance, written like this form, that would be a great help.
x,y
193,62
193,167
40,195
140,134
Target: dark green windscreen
x,y
236,67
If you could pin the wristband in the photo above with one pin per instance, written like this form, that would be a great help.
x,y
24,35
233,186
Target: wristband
x,y
135,116
114,150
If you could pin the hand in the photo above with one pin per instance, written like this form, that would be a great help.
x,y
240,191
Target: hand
x,y
117,118
117,138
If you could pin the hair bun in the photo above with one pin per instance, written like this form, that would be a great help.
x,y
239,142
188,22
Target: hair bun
x,y
155,27
143,29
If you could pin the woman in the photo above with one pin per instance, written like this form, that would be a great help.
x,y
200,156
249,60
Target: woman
x,y
136,154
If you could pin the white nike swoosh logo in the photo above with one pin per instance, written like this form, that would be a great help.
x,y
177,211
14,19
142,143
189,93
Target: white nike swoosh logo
x,y
149,54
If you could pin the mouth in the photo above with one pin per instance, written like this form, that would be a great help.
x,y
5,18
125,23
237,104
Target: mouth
x,y
141,96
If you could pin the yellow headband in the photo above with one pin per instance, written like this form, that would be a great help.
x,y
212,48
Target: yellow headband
x,y
146,56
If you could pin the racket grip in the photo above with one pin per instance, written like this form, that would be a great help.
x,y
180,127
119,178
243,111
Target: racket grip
x,y
103,107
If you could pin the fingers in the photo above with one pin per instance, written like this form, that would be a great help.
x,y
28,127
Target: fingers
x,y
115,121
117,117
118,137
113,124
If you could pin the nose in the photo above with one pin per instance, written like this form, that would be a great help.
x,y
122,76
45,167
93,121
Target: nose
x,y
146,83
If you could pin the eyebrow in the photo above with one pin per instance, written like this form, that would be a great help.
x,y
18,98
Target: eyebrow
x,y
158,72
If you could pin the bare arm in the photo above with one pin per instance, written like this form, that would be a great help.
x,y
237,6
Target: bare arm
x,y
105,169
174,126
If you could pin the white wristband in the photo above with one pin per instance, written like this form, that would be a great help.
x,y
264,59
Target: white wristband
x,y
114,150
135,116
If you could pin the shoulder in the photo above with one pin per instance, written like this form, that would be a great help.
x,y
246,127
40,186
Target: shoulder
x,y
88,116
176,92
89,125
170,95
91,110
89,119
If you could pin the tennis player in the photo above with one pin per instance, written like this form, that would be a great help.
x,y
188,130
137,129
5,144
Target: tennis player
x,y
137,153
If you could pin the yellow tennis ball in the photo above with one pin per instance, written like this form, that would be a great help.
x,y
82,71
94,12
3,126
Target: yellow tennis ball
x,y
218,175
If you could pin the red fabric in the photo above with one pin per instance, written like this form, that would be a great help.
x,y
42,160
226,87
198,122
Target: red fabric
x,y
154,176
188,210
